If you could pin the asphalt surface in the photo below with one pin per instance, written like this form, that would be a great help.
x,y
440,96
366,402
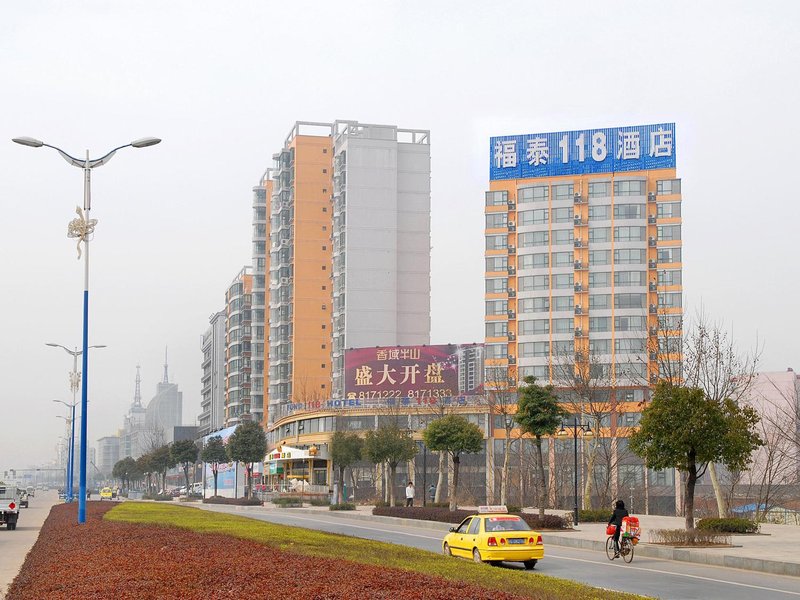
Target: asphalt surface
x,y
646,576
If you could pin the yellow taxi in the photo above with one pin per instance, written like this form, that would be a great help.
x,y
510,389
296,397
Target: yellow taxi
x,y
106,494
494,536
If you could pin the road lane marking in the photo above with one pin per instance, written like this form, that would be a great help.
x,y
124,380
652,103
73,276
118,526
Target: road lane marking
x,y
556,556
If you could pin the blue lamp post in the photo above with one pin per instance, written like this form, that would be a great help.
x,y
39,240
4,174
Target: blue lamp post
x,y
81,228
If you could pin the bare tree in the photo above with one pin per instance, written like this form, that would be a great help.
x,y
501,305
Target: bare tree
x,y
500,397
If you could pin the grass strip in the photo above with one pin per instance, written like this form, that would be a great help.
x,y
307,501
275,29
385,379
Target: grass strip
x,y
329,545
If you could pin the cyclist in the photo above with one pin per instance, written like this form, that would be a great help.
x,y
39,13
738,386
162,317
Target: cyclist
x,y
616,519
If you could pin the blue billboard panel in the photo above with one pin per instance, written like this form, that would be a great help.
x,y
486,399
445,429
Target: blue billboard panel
x,y
634,148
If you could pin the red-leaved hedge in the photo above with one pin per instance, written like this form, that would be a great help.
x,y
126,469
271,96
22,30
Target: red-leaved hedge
x,y
445,515
104,559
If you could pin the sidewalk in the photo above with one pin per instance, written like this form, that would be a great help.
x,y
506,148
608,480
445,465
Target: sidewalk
x,y
774,550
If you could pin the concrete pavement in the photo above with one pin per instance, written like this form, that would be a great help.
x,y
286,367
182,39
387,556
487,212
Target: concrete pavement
x,y
774,550
14,545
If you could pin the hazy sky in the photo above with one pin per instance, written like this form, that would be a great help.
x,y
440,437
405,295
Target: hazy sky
x,y
223,82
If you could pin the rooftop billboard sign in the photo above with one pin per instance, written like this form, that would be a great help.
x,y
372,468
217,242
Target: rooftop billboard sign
x,y
614,149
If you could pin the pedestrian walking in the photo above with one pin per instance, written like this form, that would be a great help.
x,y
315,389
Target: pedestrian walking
x,y
432,493
410,494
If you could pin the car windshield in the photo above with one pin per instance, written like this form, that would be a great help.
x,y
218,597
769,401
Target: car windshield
x,y
506,524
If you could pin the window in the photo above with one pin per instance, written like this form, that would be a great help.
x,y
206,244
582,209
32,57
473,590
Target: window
x,y
563,325
534,261
630,300
563,192
669,232
532,282
599,189
473,527
534,327
496,307
563,347
630,256
599,301
496,285
629,188
599,234
597,324
670,344
563,215
630,395
669,322
599,370
562,236
599,257
562,259
534,349
637,323
563,281
668,210
496,263
600,279
496,350
496,242
538,193
532,217
599,346
630,278
629,211
629,234
533,238
497,329
669,277
630,345
669,255
563,303
628,419
668,186
538,371
529,305
496,198
631,370
670,300
495,220
601,212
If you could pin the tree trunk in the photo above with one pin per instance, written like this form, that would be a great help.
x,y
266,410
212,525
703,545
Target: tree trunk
x,y
504,472
442,475
390,486
588,480
341,499
722,507
691,480
186,476
542,482
454,491
215,471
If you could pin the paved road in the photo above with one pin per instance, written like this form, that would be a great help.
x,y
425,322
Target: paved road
x,y
14,545
646,576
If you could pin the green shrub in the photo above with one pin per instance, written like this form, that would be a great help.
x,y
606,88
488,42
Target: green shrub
x,y
157,497
599,515
730,525
548,522
513,508
319,501
287,501
689,537
233,501
445,515
342,506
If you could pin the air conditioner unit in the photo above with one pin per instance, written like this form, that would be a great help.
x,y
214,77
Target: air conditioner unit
x,y
511,335
578,309
651,219
512,226
651,264
653,356
284,280
512,360
512,249
653,286
651,242
511,292
511,205
511,314
651,196
578,198
653,378
654,331
653,309
578,243
578,287
578,331
511,270
286,242
512,382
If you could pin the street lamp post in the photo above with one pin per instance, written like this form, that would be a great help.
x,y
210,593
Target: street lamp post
x,y
82,228
585,432
71,451
74,384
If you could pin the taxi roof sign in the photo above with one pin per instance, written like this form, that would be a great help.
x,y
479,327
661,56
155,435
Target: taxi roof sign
x,y
493,508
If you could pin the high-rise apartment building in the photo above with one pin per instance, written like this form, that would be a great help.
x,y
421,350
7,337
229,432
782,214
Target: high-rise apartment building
x,y
212,415
583,262
349,253
238,334
107,454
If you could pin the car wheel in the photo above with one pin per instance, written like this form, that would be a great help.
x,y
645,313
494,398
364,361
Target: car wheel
x,y
495,563
446,550
529,564
476,555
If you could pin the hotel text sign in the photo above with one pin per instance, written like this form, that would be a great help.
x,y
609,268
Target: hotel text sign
x,y
633,148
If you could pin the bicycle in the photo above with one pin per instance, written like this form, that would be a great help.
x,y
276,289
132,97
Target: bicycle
x,y
625,548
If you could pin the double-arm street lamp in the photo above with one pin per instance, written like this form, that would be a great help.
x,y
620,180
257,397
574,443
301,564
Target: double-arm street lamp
x,y
70,449
74,384
81,228
584,431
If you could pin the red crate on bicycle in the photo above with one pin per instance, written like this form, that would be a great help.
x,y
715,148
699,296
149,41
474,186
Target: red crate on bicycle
x,y
631,529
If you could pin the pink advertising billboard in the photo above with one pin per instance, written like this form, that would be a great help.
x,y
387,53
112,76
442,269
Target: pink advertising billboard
x,y
422,372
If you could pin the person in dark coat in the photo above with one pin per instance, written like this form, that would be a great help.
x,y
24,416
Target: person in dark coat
x,y
616,519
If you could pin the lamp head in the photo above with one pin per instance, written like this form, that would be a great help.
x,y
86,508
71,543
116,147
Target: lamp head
x,y
588,433
28,141
143,142
52,344
562,431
